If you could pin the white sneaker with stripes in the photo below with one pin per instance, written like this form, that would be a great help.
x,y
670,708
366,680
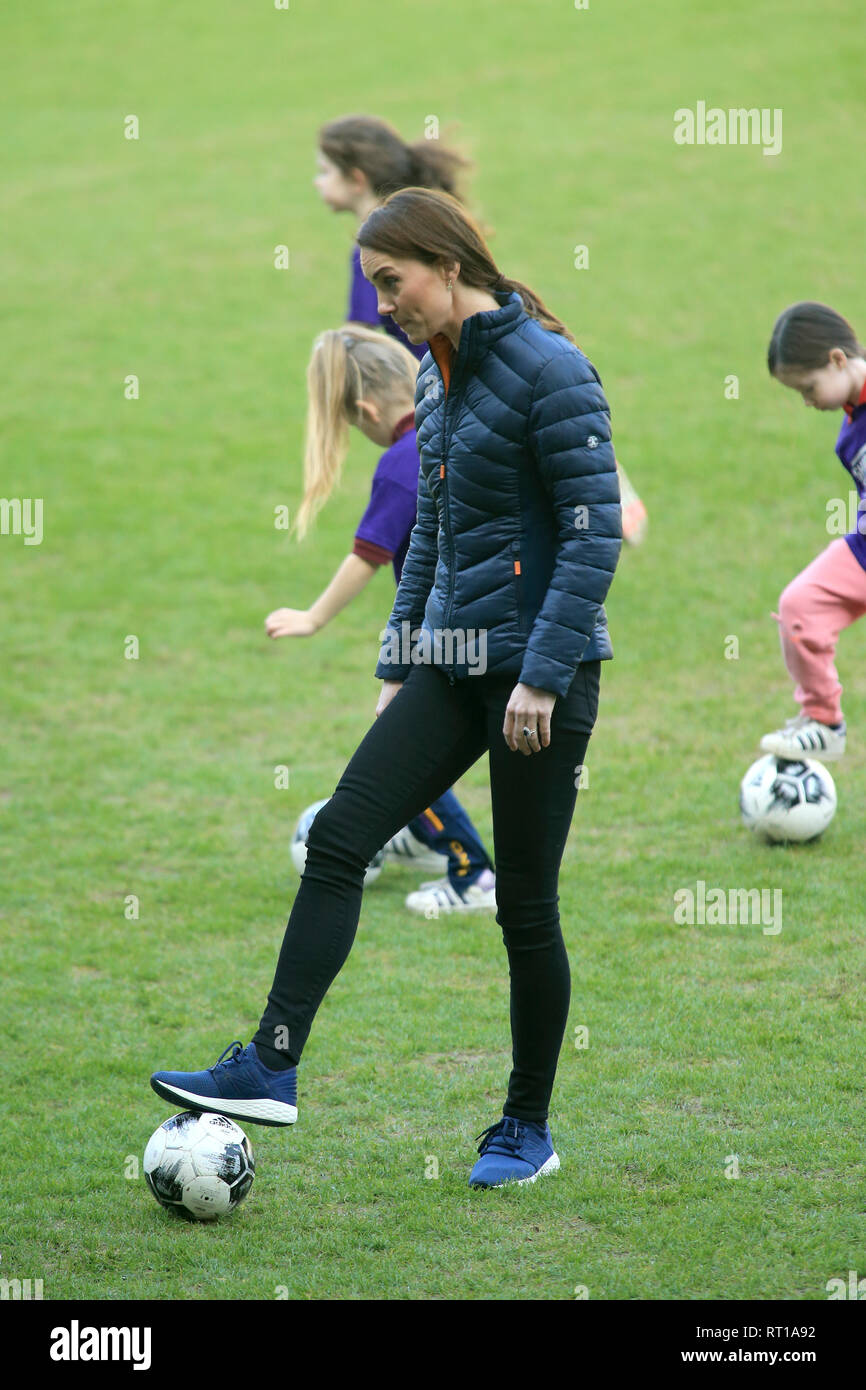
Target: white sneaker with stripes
x,y
804,737
440,895
406,848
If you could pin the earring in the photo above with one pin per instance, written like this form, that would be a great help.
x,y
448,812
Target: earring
x,y
449,284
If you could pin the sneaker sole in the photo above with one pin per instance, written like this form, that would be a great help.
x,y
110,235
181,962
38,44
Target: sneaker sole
x,y
550,1166
820,755
450,907
255,1112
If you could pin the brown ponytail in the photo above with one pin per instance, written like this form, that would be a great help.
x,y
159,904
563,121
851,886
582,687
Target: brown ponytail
x,y
427,225
374,147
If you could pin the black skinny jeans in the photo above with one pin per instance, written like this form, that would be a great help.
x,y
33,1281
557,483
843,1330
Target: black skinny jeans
x,y
426,738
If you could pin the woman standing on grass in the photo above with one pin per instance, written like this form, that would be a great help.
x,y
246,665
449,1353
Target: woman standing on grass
x,y
516,542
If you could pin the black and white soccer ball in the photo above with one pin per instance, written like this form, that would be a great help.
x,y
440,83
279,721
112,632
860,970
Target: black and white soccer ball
x,y
299,843
787,801
199,1166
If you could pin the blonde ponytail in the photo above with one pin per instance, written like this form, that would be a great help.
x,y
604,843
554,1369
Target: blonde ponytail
x,y
347,364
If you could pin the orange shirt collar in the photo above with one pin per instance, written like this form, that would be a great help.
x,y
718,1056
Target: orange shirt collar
x,y
442,349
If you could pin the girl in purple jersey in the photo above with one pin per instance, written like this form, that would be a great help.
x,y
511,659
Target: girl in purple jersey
x,y
815,351
360,377
360,161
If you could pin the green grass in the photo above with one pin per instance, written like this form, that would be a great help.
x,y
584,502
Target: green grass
x,y
155,777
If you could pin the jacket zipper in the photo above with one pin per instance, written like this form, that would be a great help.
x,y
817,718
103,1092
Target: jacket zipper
x,y
518,584
452,576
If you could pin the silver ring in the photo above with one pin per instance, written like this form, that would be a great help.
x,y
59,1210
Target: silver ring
x,y
530,733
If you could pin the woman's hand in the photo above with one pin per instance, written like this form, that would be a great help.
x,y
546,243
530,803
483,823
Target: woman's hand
x,y
290,622
528,708
389,690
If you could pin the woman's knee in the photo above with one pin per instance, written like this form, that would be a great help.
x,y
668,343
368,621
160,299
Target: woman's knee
x,y
339,832
527,918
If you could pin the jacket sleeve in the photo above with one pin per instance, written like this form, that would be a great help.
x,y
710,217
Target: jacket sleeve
x,y
569,435
413,591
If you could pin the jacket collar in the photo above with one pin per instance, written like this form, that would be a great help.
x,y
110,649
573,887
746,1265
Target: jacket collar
x,y
478,332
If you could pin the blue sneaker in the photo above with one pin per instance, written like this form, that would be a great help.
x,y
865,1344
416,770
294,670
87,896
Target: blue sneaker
x,y
242,1088
513,1151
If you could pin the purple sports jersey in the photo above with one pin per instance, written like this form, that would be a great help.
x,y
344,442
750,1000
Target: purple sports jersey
x,y
851,448
384,530
363,307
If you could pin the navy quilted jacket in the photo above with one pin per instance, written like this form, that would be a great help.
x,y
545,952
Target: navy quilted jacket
x,y
519,525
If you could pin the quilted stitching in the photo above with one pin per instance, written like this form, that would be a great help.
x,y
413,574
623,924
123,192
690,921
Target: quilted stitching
x,y
529,454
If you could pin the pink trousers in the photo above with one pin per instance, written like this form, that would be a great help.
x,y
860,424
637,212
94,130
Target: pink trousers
x,y
826,596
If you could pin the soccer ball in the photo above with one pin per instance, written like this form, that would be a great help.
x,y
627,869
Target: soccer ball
x,y
199,1166
782,800
299,843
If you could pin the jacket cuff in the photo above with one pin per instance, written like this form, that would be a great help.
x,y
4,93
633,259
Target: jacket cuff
x,y
558,684
386,672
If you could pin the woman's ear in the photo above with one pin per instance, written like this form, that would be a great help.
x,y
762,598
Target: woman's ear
x,y
368,411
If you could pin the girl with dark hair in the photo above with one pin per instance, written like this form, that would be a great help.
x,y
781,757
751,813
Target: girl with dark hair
x,y
362,378
814,351
515,544
362,160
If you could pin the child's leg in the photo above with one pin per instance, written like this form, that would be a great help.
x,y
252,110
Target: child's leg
x,y
827,596
445,827
634,517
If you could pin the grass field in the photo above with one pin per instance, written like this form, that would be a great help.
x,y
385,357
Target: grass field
x,y
155,777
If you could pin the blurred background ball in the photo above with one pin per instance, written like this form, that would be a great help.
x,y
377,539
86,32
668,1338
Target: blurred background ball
x,y
299,843
787,801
